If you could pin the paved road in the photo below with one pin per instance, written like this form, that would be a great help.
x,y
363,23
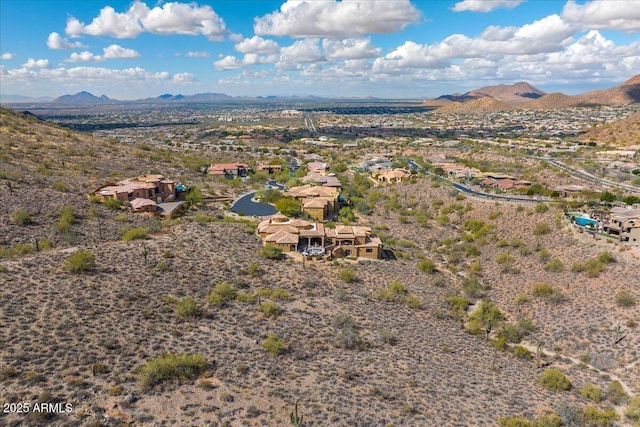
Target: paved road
x,y
473,192
591,178
309,123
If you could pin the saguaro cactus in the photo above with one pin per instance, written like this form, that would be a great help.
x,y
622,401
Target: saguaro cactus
x,y
296,420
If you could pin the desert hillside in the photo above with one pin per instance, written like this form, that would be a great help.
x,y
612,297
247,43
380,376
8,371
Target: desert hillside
x,y
369,343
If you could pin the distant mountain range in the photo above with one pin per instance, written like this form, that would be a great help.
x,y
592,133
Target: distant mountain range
x,y
523,95
489,98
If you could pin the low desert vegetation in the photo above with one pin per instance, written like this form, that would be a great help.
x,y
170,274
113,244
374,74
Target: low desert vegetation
x,y
81,261
554,379
274,345
222,294
271,252
171,366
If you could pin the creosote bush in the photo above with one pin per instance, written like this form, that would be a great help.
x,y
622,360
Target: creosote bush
x,y
427,266
80,262
271,252
222,294
625,299
21,217
591,392
171,366
134,234
348,275
188,308
554,379
274,345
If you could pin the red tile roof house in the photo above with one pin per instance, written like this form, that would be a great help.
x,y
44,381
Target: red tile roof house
x,y
307,237
145,193
228,170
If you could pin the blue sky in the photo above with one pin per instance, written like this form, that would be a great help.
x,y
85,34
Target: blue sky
x,y
383,48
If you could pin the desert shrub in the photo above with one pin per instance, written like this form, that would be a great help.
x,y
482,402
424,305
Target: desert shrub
x,y
606,258
521,299
633,409
270,309
245,298
254,269
21,217
553,379
134,234
571,415
348,275
171,366
522,353
347,331
472,288
484,318
112,203
616,394
625,299
505,259
274,345
16,250
271,252
80,262
591,392
427,266
413,301
162,266
397,287
541,208
60,186
67,218
188,308
600,417
541,229
122,217
543,290
544,255
554,265
514,421
549,420
222,294
510,333
388,337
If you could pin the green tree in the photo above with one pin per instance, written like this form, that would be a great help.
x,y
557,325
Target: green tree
x,y
194,196
288,206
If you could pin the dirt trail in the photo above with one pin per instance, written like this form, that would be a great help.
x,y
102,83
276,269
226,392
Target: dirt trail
x,y
619,408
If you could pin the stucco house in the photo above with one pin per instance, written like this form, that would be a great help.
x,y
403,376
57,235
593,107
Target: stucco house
x,y
391,175
228,170
317,201
306,237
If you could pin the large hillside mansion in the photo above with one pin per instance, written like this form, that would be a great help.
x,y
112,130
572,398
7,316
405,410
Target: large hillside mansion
x,y
312,238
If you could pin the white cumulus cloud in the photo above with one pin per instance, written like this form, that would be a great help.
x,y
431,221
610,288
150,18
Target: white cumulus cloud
x,y
304,51
330,18
257,44
604,14
171,18
7,55
485,5
118,52
350,48
36,63
229,62
55,41
85,56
